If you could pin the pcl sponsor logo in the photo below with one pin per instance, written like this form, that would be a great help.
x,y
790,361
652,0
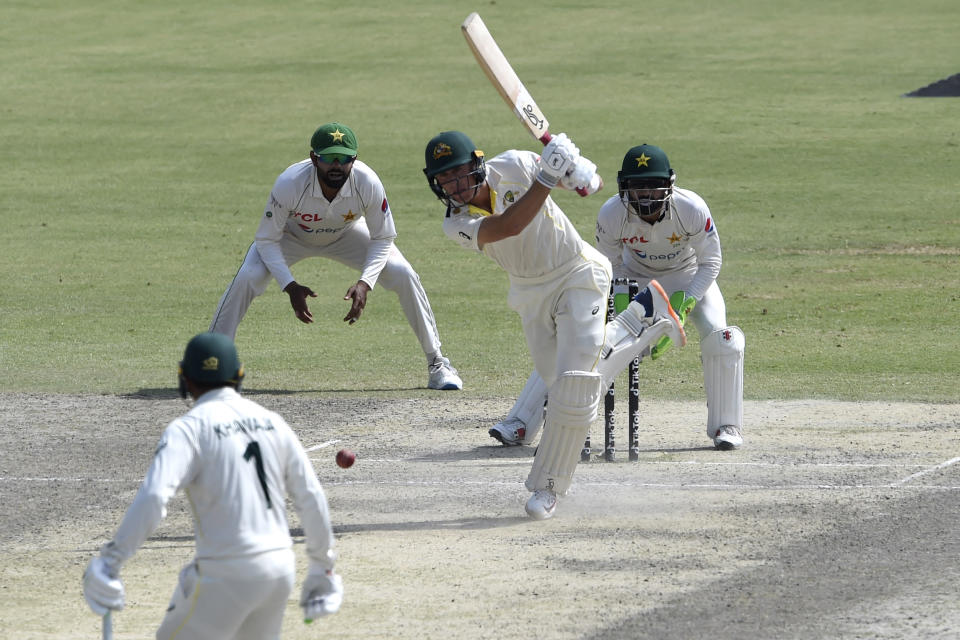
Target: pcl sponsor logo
x,y
634,240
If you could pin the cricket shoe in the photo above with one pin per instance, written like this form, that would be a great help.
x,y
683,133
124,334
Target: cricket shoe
x,y
542,504
509,432
443,376
727,438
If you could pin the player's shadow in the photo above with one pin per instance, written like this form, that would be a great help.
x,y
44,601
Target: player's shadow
x,y
456,524
167,393
297,533
705,447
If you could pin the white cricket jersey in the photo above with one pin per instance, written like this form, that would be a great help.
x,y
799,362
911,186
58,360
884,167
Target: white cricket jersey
x,y
685,239
236,461
298,208
547,243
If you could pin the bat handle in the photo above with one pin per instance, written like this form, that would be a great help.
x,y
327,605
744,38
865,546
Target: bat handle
x,y
547,137
107,628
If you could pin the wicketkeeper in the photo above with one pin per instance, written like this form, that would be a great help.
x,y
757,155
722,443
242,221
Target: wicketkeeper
x,y
237,463
654,229
558,284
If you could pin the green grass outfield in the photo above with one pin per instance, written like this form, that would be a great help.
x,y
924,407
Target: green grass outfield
x,y
139,141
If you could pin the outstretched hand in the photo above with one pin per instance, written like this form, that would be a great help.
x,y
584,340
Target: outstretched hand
x,y
357,293
298,300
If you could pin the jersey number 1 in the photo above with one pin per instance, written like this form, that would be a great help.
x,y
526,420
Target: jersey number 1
x,y
253,451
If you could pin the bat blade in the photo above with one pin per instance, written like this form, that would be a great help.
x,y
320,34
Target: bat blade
x,y
501,74
504,78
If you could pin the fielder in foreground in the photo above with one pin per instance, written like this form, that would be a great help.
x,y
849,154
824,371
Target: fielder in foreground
x,y
558,285
653,229
332,205
236,462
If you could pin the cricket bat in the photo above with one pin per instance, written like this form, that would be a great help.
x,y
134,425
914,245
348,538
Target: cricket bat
x,y
505,79
107,626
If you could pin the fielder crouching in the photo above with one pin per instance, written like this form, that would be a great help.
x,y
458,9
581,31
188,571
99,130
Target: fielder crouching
x,y
237,462
503,209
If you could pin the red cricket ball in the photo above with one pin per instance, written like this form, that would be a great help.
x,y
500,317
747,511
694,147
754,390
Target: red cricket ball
x,y
346,458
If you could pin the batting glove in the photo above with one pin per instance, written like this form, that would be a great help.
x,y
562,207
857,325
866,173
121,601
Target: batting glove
x,y
322,594
557,160
580,176
102,588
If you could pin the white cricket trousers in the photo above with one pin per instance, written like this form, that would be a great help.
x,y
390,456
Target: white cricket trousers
x,y
351,250
240,599
564,314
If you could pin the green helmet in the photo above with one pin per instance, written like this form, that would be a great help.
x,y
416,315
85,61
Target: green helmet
x,y
448,150
210,360
645,161
646,169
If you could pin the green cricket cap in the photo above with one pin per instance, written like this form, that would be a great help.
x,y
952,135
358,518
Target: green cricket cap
x,y
334,137
211,358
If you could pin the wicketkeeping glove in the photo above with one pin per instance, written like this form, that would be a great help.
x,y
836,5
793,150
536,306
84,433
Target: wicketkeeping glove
x,y
683,305
322,594
557,158
102,588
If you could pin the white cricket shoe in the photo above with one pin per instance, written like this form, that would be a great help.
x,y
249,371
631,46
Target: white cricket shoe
x,y
509,432
728,437
443,376
542,504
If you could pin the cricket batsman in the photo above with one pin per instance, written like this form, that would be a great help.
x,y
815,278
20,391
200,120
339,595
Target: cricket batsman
x,y
503,209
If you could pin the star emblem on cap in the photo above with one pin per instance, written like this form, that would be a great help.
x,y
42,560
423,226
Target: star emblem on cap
x,y
337,135
642,160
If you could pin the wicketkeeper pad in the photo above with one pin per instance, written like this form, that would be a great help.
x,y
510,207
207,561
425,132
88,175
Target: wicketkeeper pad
x,y
574,398
722,355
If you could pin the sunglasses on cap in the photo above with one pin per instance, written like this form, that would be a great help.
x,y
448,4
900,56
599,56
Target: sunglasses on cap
x,y
330,158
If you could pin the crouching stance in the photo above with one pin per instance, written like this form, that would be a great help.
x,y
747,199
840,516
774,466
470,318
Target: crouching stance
x,y
558,283
237,463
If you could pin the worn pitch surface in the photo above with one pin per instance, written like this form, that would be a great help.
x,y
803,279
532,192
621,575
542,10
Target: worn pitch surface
x,y
836,520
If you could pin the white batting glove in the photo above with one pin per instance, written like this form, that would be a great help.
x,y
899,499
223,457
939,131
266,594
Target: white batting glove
x,y
557,159
322,594
102,588
580,176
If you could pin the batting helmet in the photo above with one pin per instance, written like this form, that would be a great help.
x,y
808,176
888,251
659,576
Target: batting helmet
x,y
448,150
645,179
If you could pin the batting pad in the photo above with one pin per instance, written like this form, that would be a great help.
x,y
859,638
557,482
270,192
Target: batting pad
x,y
574,398
628,336
529,406
722,356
